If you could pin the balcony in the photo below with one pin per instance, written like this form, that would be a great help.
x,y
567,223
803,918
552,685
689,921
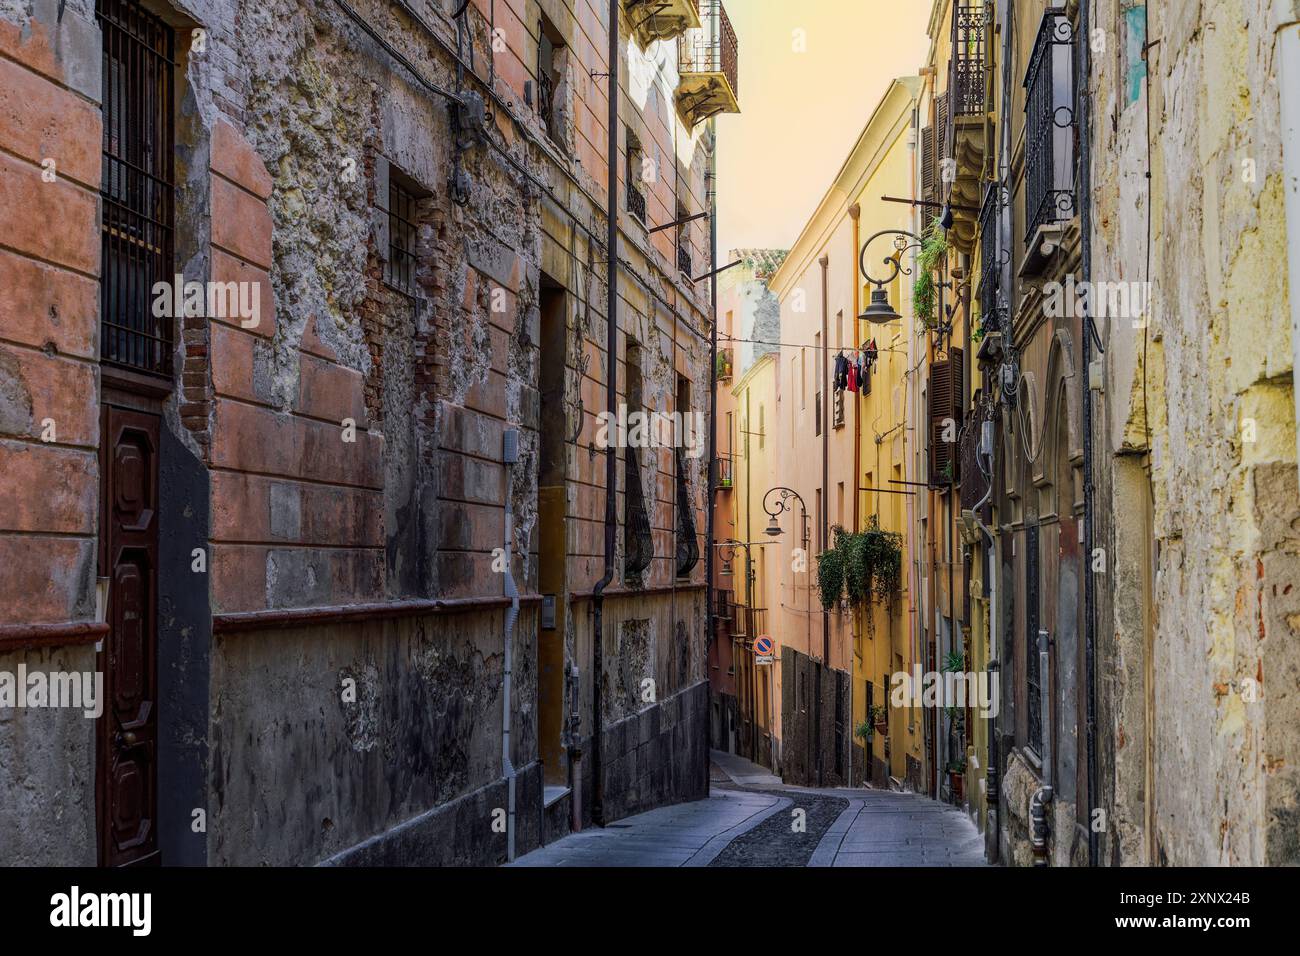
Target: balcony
x,y
990,276
722,372
653,20
965,123
1049,135
684,261
636,202
707,59
722,468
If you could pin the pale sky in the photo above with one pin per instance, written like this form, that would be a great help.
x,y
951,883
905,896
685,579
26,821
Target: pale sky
x,y
802,112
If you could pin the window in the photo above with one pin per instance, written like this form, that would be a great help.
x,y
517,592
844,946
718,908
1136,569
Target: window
x,y
399,269
688,547
635,198
1049,125
803,378
136,187
638,542
817,374
550,52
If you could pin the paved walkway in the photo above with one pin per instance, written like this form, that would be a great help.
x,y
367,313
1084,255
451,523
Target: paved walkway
x,y
685,834
878,827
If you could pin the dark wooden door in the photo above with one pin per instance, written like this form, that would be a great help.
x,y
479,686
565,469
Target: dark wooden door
x,y
126,780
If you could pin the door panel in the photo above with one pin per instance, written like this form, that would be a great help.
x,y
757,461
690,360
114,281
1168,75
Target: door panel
x,y
126,785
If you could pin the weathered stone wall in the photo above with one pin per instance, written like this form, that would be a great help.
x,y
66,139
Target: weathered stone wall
x,y
1203,745
801,734
347,450
49,417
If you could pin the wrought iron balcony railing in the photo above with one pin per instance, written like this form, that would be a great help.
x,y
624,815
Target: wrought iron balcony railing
x,y
684,261
722,470
968,58
988,236
688,547
636,202
708,64
1049,125
638,541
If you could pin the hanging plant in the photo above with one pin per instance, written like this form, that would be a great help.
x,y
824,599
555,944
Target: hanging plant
x,y
934,243
830,576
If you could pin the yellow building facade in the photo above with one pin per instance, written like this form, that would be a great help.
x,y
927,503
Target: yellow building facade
x,y
846,453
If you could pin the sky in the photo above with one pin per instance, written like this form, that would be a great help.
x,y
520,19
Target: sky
x,y
801,112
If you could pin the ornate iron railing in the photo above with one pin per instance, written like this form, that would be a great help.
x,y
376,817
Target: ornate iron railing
x,y
638,541
713,48
635,201
987,295
968,39
1049,125
1033,677
684,261
688,548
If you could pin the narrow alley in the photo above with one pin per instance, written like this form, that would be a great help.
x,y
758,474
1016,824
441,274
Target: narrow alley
x,y
750,819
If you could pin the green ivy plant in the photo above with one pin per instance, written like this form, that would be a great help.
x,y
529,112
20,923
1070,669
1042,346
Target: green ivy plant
x,y
934,243
864,565
830,573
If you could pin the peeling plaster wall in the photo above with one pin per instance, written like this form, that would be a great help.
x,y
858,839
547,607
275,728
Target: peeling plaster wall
x,y
1211,381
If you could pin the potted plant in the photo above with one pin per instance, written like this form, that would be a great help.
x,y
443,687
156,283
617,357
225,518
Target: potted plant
x,y
957,781
879,718
724,481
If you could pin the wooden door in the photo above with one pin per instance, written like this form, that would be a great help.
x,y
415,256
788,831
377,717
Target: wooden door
x,y
127,749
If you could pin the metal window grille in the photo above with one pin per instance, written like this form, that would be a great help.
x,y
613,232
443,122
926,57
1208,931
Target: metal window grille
x,y
688,549
136,190
638,541
1033,679
968,58
988,288
399,271
1049,125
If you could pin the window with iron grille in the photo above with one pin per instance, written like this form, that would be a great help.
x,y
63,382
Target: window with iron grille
x,y
549,46
988,235
968,36
1033,677
399,270
136,188
1049,125
635,198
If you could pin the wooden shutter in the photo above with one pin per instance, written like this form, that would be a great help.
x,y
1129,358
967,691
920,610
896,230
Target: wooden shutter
x,y
946,390
927,162
940,143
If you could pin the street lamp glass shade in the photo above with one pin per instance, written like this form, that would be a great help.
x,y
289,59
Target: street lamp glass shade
x,y
773,528
879,311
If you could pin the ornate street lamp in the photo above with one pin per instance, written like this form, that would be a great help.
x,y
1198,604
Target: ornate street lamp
x,y
879,310
777,507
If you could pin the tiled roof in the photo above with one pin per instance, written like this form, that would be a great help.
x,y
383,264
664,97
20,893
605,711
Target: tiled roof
x,y
761,262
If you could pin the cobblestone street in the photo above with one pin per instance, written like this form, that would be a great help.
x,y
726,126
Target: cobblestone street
x,y
749,820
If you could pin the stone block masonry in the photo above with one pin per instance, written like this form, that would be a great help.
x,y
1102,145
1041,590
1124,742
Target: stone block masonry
x,y
326,629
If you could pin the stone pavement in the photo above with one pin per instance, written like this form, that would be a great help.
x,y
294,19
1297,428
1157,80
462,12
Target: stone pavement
x,y
877,828
685,834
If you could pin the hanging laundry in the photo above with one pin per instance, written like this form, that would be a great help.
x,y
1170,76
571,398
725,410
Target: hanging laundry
x,y
841,378
853,378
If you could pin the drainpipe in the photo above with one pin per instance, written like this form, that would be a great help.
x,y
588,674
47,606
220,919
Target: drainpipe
x,y
1089,587
824,262
611,405
1040,829
711,625
1288,56
510,456
855,213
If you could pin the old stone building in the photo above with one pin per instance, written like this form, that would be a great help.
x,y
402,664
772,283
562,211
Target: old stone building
x,y
1196,201
333,522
